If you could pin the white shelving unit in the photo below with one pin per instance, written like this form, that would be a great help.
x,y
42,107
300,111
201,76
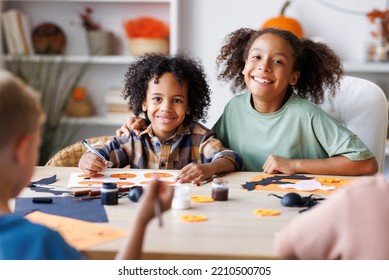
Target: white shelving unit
x,y
366,67
105,71
109,14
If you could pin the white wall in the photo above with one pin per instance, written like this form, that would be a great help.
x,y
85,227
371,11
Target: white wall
x,y
205,23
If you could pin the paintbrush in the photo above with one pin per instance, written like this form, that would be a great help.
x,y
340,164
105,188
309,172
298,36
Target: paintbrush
x,y
157,202
86,198
98,192
211,179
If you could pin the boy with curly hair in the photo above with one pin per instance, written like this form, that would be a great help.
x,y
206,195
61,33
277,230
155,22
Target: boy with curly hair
x,y
21,117
173,94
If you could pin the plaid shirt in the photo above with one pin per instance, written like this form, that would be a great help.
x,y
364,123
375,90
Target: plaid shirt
x,y
191,143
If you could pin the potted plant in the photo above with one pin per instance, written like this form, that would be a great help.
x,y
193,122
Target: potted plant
x,y
55,80
146,35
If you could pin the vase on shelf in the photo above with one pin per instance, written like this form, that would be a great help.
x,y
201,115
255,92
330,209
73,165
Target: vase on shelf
x,y
378,46
100,42
142,46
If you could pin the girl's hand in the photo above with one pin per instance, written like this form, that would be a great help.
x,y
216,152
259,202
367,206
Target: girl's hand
x,y
132,124
91,164
274,164
195,173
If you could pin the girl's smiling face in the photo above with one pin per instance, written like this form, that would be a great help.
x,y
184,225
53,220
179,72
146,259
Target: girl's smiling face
x,y
269,71
166,105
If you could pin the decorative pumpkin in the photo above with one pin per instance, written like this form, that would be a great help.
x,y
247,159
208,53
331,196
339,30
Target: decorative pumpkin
x,y
79,93
286,23
79,104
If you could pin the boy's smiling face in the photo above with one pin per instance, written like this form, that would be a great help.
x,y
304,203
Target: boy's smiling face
x,y
166,105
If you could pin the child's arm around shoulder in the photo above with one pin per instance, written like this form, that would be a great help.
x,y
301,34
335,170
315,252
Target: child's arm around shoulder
x,y
134,124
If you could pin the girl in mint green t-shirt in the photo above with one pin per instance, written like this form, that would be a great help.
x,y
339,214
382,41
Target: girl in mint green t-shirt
x,y
273,125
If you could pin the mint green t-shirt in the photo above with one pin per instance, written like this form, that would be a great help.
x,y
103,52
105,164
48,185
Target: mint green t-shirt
x,y
299,130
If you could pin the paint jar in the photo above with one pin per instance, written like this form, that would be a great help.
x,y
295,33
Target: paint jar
x,y
181,198
109,194
220,189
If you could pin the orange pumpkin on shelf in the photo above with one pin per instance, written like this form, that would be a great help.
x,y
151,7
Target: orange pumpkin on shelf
x,y
284,22
79,93
79,104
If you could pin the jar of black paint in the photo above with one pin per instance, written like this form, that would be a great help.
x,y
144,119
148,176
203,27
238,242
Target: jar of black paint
x,y
109,194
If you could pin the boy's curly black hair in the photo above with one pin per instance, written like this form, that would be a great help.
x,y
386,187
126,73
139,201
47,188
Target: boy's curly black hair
x,y
183,67
319,66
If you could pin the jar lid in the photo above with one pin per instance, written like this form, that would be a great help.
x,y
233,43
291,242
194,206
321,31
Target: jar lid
x,y
109,186
219,181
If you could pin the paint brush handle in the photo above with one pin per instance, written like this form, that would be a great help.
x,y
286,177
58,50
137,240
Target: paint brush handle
x,y
86,198
157,202
211,179
96,192
80,193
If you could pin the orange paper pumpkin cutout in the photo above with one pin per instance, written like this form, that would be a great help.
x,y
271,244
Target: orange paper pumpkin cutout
x,y
123,175
94,176
266,212
193,218
158,175
201,198
91,182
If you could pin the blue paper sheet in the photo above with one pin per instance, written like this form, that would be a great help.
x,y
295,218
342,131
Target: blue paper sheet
x,y
86,210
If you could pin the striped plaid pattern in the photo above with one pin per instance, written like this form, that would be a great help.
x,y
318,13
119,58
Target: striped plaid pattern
x,y
192,143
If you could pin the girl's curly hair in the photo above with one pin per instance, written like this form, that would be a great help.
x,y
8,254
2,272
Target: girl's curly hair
x,y
320,68
184,69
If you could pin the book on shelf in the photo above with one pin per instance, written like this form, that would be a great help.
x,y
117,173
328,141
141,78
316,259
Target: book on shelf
x,y
7,31
114,102
17,32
